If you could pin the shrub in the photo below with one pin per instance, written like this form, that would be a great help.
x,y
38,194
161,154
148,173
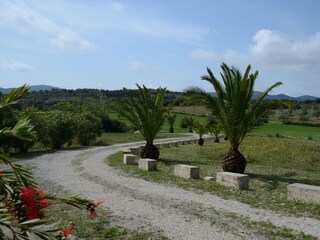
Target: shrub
x,y
54,128
88,127
184,122
113,125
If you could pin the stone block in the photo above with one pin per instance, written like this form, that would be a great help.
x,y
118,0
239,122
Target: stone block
x,y
129,159
234,180
126,151
136,150
174,144
148,164
187,171
181,142
208,178
165,144
303,192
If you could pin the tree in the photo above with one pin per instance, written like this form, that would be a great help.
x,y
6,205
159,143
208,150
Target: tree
x,y
187,122
55,128
216,129
21,202
145,111
201,129
171,120
234,108
88,128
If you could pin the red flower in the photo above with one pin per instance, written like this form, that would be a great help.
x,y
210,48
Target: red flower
x,y
66,232
33,201
91,207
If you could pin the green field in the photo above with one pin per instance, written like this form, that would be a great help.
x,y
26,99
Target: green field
x,y
283,130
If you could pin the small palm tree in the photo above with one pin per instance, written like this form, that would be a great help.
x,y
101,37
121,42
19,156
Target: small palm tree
x,y
190,121
234,108
216,129
146,113
201,129
171,120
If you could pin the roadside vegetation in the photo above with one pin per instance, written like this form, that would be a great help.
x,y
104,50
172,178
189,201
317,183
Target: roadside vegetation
x,y
273,163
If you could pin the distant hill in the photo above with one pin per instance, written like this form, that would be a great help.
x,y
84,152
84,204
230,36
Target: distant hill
x,y
256,94
34,88
37,88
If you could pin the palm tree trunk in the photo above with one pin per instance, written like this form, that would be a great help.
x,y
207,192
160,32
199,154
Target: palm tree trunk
x,y
201,141
234,162
150,151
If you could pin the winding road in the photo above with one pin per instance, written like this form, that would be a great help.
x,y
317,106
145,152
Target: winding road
x,y
175,212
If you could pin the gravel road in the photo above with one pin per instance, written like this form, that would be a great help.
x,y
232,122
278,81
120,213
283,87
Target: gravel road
x,y
177,213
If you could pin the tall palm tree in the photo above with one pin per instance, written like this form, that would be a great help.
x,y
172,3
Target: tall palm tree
x,y
146,113
234,108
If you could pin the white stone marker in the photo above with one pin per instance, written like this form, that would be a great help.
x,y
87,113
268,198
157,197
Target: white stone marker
x,y
148,164
303,192
186,171
234,180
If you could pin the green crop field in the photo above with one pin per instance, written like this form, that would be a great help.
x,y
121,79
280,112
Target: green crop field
x,y
283,130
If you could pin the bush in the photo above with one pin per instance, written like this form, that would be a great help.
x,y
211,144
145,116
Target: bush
x,y
184,122
88,127
54,128
113,125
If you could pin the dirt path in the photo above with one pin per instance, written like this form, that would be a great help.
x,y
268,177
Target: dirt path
x,y
178,213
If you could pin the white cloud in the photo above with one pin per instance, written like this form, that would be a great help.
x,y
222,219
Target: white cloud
x,y
21,17
69,39
273,50
276,50
278,57
15,66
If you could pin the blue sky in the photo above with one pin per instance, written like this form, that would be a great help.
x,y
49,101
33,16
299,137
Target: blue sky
x,y
169,43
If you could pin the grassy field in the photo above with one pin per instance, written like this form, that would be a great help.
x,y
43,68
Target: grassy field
x,y
282,130
273,163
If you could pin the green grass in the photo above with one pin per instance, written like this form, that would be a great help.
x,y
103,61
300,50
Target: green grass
x,y
283,130
273,163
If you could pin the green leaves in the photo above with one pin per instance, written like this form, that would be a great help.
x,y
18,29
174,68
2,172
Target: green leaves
x,y
22,130
14,96
145,111
233,105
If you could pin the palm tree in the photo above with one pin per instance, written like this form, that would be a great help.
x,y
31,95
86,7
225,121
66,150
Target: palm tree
x,y
201,129
146,113
216,129
190,121
234,108
171,120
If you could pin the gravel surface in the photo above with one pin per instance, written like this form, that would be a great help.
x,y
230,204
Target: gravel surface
x,y
177,213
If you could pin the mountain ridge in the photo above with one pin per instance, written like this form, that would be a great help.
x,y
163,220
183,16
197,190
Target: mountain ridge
x,y
35,88
42,87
